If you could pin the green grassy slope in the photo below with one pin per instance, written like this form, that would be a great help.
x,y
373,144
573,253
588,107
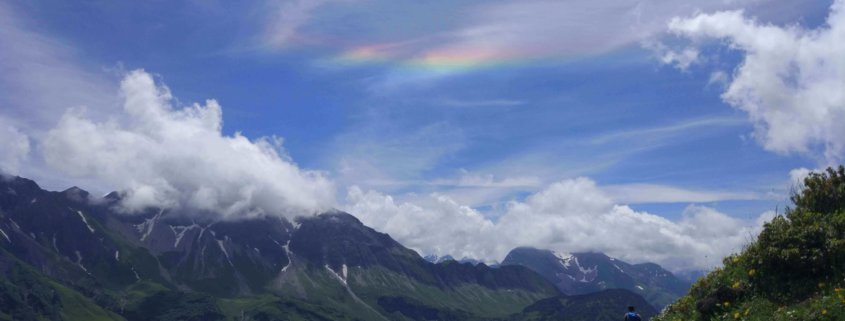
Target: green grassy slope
x,y
26,294
793,271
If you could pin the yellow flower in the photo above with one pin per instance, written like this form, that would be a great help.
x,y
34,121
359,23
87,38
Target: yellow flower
x,y
747,310
752,272
824,311
727,304
736,315
736,259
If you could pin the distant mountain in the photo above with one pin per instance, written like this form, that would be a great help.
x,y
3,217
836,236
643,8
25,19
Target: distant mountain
x,y
691,276
438,259
583,273
65,255
441,259
607,305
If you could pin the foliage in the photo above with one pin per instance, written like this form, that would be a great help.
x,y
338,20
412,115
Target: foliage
x,y
24,296
175,305
793,271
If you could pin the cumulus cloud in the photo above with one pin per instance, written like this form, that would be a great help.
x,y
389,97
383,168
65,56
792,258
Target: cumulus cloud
x,y
178,157
571,215
790,80
437,225
14,148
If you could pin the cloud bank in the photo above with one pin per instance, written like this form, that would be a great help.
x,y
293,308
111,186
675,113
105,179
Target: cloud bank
x,y
791,80
178,157
571,216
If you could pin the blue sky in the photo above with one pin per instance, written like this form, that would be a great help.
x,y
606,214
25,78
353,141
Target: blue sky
x,y
486,103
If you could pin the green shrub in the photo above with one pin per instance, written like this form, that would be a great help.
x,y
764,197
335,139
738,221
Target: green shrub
x,y
806,247
793,271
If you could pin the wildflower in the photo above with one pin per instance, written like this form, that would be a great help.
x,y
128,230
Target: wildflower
x,y
752,272
727,304
736,315
824,311
736,285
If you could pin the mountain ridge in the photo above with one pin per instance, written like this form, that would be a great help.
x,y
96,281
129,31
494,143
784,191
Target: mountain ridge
x,y
328,266
588,272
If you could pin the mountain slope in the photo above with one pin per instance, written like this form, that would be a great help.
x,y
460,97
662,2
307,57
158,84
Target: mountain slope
x,y
793,271
375,270
583,273
607,305
168,265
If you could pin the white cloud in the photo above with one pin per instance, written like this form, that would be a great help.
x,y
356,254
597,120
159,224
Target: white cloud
x,y
440,225
571,215
681,59
790,81
14,148
718,78
169,156
797,176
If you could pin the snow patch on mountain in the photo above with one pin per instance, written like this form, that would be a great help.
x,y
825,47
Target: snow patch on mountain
x,y
225,253
147,227
565,259
85,221
338,276
286,247
179,232
79,262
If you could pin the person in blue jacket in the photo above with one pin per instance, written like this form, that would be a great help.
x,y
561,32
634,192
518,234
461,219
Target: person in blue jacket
x,y
632,315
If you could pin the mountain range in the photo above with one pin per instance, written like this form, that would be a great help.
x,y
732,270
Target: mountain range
x,y
583,273
69,256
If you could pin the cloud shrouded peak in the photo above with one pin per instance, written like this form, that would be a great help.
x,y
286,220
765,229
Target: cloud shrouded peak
x,y
169,156
791,81
573,215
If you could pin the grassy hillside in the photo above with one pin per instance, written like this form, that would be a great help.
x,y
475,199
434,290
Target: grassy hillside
x,y
793,271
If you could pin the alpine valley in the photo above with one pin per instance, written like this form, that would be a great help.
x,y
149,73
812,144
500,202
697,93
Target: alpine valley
x,y
70,256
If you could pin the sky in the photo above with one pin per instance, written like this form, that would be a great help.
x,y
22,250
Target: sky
x,y
651,130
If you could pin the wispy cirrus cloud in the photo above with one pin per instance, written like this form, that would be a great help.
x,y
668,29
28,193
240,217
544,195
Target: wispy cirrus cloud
x,y
654,193
44,74
285,18
513,33
653,134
